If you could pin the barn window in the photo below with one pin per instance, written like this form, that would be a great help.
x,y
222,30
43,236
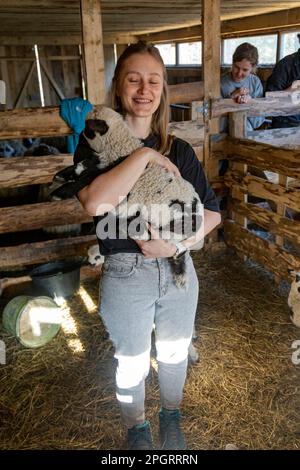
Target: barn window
x,y
168,53
266,45
289,43
190,53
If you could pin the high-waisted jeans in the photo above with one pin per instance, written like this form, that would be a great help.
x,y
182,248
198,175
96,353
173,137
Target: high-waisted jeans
x,y
136,295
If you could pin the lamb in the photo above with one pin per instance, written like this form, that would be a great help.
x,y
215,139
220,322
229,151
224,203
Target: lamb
x,y
169,203
294,298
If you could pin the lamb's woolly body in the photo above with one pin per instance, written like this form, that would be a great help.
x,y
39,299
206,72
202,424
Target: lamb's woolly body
x,y
294,300
159,197
154,187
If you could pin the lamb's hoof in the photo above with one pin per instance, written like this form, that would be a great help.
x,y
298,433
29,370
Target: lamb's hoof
x,y
193,354
295,321
231,447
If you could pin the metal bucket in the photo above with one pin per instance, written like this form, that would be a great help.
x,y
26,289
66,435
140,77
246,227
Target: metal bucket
x,y
57,279
33,320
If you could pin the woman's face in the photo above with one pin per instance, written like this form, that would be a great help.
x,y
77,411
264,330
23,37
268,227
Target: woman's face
x,y
241,70
140,85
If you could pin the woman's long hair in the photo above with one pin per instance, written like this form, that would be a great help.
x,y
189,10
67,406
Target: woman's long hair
x,y
160,119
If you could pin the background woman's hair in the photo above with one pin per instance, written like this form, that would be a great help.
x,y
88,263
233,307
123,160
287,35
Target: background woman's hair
x,y
246,51
160,118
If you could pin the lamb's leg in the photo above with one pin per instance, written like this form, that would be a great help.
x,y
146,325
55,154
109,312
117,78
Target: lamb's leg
x,y
193,353
68,190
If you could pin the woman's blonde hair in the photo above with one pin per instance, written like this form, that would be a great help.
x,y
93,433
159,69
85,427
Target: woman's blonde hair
x,y
160,118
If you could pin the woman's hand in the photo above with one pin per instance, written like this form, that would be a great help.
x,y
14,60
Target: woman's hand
x,y
156,157
241,95
156,247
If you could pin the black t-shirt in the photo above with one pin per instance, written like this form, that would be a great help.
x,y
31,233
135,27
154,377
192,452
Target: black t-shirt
x,y
285,72
184,157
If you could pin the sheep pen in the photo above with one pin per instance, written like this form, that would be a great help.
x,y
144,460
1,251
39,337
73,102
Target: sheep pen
x,y
244,391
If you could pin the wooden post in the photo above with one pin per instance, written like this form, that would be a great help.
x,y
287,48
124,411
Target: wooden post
x,y
120,49
211,34
93,50
211,28
281,211
237,128
109,61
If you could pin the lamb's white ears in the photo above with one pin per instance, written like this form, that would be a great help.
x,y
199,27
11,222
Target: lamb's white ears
x,y
294,274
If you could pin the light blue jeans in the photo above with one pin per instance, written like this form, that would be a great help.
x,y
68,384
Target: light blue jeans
x,y
137,294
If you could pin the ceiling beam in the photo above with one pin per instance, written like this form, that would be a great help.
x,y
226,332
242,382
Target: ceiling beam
x,y
283,19
68,39
43,40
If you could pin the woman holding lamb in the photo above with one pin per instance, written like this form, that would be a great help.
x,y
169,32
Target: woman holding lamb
x,y
137,289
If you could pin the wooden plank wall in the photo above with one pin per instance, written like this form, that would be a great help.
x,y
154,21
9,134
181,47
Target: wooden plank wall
x,y
62,62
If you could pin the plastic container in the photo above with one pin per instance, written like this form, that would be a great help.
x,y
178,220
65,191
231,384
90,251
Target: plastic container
x,y
33,320
57,279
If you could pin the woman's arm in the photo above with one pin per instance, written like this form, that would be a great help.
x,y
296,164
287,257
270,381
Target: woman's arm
x,y
158,248
109,189
211,220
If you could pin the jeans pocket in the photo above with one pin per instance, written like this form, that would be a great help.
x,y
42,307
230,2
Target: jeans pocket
x,y
118,268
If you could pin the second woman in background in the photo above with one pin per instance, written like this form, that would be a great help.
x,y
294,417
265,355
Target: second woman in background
x,y
240,83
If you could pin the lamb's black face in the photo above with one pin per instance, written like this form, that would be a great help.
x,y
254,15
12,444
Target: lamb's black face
x,y
95,126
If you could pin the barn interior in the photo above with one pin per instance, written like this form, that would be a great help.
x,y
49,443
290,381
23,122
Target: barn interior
x,y
244,390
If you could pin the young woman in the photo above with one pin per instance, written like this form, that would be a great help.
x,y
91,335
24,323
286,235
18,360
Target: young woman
x,y
137,289
240,83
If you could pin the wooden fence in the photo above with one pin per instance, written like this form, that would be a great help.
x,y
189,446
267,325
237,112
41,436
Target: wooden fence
x,y
248,177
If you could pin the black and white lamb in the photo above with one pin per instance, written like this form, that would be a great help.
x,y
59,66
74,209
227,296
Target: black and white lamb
x,y
169,203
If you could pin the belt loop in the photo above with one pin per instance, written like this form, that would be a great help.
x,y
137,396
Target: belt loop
x,y
139,260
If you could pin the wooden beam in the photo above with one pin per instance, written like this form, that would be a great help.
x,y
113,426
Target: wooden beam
x,y
275,21
186,92
210,75
43,252
22,171
218,146
120,48
191,131
119,38
237,129
267,157
40,215
93,50
258,187
283,104
277,260
271,221
40,40
42,122
32,122
267,21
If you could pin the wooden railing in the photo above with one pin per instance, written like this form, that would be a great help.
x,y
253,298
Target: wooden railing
x,y
248,159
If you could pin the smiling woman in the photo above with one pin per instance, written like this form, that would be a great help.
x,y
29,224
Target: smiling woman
x,y
137,290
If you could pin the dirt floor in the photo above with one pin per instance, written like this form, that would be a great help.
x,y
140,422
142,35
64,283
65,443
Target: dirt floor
x,y
244,391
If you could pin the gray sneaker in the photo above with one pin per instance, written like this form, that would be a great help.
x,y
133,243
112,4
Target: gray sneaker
x,y
171,435
139,437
